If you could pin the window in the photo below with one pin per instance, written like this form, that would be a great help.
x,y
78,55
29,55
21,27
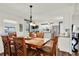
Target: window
x,y
9,26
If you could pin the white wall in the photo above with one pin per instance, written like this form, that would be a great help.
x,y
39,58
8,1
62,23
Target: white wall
x,y
64,44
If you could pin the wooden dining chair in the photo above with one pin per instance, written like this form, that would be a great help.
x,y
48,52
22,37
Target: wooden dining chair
x,y
6,44
20,46
32,34
13,34
40,35
49,50
11,37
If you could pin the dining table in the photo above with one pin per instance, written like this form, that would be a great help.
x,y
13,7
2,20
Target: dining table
x,y
35,42
38,43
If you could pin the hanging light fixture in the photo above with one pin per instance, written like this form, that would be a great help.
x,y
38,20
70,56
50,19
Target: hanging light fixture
x,y
30,13
31,23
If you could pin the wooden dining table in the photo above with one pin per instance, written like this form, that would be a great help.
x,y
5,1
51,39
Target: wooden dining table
x,y
34,43
38,42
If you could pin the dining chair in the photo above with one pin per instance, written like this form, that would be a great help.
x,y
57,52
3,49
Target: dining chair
x,y
13,34
11,37
20,46
52,50
32,34
6,44
48,50
40,35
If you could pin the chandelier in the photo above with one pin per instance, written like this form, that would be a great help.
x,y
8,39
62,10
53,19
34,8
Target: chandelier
x,y
31,23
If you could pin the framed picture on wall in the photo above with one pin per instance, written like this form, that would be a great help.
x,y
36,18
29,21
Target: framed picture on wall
x,y
20,27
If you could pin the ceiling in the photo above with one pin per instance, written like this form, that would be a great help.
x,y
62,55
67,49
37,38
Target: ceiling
x,y
41,11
